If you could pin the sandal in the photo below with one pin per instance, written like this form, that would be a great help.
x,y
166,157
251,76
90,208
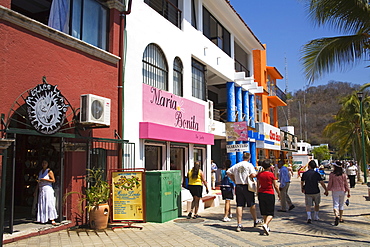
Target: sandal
x,y
53,223
196,216
341,221
336,222
189,216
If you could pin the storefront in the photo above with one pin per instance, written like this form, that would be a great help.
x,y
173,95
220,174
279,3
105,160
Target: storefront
x,y
172,132
288,145
270,147
46,126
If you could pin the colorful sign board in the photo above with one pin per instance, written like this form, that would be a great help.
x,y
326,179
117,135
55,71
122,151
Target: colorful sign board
x,y
128,197
288,141
237,148
236,131
272,137
168,109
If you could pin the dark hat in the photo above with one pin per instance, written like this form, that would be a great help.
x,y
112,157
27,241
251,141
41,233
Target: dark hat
x,y
338,164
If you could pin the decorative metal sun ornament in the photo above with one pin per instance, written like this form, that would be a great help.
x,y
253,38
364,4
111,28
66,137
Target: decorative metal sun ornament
x,y
46,108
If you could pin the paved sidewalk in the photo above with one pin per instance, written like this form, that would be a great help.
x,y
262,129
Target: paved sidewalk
x,y
286,228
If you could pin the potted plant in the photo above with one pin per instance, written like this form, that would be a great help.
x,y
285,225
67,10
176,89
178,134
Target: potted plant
x,y
96,196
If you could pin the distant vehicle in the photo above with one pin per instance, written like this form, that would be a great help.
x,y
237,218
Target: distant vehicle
x,y
326,164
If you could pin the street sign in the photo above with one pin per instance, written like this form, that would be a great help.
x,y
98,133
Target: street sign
x,y
237,148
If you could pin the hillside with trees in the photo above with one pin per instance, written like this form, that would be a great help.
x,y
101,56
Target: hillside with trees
x,y
310,110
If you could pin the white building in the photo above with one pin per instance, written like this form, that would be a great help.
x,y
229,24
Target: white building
x,y
303,154
179,55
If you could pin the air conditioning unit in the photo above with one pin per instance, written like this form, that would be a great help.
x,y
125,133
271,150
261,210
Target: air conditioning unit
x,y
94,110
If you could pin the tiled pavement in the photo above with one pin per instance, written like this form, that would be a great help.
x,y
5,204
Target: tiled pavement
x,y
286,228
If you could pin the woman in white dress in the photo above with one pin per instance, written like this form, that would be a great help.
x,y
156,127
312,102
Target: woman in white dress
x,y
46,200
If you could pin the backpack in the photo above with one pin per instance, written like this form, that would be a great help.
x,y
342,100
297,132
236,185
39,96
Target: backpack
x,y
226,185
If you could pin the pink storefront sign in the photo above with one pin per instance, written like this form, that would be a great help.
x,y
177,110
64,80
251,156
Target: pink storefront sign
x,y
172,118
166,133
162,107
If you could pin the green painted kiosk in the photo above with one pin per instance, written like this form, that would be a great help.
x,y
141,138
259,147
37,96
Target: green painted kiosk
x,y
163,195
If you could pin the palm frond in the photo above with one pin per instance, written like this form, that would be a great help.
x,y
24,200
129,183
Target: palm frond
x,y
345,132
365,86
348,16
326,55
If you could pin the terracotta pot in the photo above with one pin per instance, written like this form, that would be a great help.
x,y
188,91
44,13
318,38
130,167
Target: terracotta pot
x,y
98,216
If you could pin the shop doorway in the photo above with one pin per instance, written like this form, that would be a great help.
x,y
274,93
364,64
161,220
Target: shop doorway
x,y
22,173
178,159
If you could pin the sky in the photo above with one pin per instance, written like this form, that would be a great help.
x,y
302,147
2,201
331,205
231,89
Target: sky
x,y
284,26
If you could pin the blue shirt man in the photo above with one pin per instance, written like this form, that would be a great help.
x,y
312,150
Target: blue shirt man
x,y
284,178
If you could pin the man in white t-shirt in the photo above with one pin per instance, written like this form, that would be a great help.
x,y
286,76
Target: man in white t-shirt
x,y
240,173
351,171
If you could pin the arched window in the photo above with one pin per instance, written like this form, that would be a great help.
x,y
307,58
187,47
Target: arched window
x,y
177,77
155,68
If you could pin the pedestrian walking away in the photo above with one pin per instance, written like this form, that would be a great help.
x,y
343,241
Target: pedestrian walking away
x,y
266,196
310,187
240,173
227,191
284,179
338,185
196,181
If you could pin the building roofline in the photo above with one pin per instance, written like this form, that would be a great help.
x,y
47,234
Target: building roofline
x,y
250,30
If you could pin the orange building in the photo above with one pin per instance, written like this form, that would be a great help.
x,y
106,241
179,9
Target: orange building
x,y
267,106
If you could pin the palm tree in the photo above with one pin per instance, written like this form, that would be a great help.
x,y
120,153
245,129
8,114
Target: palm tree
x,y
345,132
325,55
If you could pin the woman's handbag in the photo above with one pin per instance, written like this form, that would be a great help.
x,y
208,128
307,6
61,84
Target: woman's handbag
x,y
186,183
252,184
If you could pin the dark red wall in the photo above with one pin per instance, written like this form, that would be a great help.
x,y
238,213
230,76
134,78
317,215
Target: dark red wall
x,y
26,57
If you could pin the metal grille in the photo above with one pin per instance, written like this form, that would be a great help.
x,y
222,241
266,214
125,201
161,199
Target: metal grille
x,y
155,69
128,160
168,9
105,154
239,67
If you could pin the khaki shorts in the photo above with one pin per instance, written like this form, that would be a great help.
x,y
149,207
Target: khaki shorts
x,y
311,198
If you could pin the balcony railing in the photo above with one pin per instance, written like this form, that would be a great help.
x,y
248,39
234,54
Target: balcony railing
x,y
276,91
167,10
241,68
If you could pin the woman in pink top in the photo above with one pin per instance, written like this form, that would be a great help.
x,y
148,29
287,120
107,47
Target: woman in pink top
x,y
338,184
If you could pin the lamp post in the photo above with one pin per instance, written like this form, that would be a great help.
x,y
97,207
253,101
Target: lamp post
x,y
360,96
